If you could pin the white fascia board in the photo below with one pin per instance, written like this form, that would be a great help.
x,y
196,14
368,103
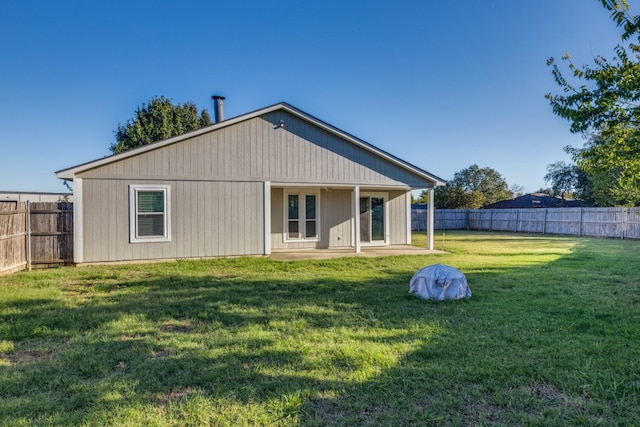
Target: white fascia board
x,y
338,186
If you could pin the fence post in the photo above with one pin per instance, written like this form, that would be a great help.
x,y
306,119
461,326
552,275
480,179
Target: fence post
x,y
544,221
28,223
580,223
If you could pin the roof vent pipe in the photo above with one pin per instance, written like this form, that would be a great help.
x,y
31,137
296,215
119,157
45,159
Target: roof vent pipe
x,y
218,108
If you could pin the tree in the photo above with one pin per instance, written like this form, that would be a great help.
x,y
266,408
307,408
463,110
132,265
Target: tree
x,y
592,188
547,190
157,120
604,101
472,188
563,178
517,190
451,197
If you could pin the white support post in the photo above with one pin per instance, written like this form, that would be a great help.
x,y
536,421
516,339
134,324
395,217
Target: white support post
x,y
356,217
78,249
408,239
267,217
430,219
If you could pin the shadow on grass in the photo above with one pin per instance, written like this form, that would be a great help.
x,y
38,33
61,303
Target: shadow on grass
x,y
317,351
155,341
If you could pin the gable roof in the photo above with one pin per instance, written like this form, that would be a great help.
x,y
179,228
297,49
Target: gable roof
x,y
535,200
69,173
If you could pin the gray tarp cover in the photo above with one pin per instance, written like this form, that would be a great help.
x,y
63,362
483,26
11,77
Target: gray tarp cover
x,y
439,282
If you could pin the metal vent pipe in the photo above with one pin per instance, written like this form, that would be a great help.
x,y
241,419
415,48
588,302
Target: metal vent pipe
x,y
218,108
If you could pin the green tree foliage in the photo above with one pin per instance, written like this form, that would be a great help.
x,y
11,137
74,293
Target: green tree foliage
x,y
593,188
157,120
563,178
600,185
603,100
472,188
423,198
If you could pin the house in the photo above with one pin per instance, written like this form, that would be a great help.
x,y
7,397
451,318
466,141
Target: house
x,y
34,196
276,178
535,200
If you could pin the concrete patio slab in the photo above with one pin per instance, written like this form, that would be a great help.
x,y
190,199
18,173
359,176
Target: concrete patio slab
x,y
373,251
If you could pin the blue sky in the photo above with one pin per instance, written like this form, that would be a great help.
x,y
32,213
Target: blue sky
x,y
441,84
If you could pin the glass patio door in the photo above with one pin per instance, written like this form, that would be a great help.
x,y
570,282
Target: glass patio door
x,y
372,220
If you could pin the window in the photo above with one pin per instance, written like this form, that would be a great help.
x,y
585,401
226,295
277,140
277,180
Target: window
x,y
149,210
373,218
302,216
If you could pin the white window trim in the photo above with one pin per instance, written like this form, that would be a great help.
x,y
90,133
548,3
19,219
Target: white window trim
x,y
302,215
133,213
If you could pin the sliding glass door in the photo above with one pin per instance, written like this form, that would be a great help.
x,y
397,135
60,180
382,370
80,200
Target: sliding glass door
x,y
373,219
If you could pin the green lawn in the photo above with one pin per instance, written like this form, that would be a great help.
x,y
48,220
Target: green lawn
x,y
550,337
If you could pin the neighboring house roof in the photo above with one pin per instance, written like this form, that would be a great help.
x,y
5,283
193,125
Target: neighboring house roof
x,y
535,200
69,173
34,196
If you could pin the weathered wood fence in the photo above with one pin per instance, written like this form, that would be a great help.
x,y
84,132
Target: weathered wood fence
x,y
35,235
622,223
13,232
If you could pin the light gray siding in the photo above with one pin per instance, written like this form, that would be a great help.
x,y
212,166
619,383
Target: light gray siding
x,y
277,218
397,210
217,189
259,150
207,219
335,220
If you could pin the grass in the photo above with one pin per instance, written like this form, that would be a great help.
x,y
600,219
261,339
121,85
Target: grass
x,y
550,337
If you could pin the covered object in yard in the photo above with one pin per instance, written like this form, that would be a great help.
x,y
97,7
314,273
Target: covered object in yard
x,y
439,282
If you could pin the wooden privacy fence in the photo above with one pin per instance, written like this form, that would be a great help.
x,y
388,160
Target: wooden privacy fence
x,y
13,232
35,235
622,223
